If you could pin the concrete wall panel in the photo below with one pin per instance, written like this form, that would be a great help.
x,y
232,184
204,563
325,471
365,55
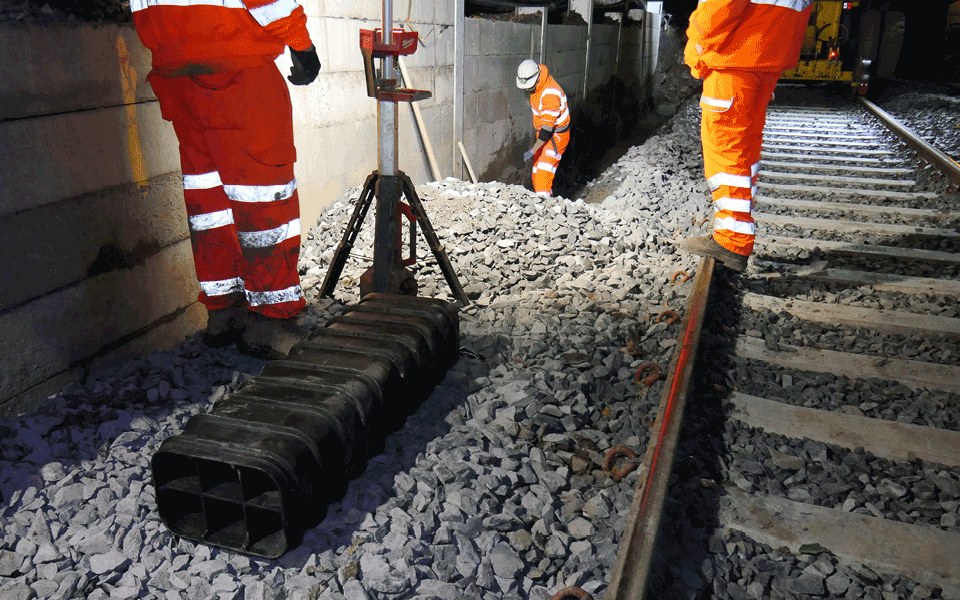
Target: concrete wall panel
x,y
67,241
68,155
74,323
354,9
70,68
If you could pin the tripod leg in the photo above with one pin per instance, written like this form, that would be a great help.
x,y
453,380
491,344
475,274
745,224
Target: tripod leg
x,y
438,252
349,236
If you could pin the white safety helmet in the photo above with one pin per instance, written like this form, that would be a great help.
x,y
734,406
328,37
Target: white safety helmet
x,y
527,74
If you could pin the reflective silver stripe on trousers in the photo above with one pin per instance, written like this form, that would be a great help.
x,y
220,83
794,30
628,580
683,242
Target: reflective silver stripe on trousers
x,y
203,181
291,294
731,224
260,193
716,102
740,181
733,204
212,220
274,11
223,287
136,5
269,237
546,167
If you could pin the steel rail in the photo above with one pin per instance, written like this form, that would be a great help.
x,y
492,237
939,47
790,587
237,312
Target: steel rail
x,y
637,545
947,165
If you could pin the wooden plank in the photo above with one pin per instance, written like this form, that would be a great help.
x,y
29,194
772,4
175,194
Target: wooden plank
x,y
819,126
798,133
853,226
792,148
837,179
833,159
867,209
889,282
892,440
786,187
857,366
853,146
860,250
890,321
832,167
925,554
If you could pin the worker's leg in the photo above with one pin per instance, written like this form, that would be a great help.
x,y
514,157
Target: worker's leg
x,y
216,253
255,162
733,106
768,83
546,161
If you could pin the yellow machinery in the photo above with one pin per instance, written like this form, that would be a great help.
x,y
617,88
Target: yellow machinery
x,y
831,34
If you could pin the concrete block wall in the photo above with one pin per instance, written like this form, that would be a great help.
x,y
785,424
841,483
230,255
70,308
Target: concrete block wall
x,y
96,257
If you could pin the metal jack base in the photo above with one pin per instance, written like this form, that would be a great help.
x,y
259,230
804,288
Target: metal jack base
x,y
388,274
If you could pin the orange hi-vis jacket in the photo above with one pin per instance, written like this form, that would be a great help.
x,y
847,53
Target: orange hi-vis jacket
x,y
193,37
759,35
549,104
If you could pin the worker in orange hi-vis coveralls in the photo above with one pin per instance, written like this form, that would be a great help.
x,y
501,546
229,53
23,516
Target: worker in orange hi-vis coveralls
x,y
215,77
551,119
739,48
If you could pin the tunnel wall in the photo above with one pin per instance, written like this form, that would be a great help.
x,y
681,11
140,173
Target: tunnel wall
x,y
498,124
96,257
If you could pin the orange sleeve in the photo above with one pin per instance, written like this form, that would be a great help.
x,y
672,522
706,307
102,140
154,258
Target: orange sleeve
x,y
284,19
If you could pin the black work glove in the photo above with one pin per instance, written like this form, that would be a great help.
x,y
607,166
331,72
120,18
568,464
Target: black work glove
x,y
306,66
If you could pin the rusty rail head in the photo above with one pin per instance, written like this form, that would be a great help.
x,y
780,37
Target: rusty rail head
x,y
932,155
635,555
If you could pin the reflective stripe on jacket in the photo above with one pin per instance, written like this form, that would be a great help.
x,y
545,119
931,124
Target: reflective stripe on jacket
x,y
191,37
761,35
549,104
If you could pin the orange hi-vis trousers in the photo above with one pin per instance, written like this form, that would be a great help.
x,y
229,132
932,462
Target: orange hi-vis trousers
x,y
545,163
236,152
734,107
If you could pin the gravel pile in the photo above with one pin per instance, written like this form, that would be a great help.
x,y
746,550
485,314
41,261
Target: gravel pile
x,y
492,489
934,117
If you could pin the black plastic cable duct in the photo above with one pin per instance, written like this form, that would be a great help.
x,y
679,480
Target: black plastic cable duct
x,y
258,469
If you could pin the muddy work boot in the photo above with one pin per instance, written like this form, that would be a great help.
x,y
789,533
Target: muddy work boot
x,y
224,326
705,245
270,339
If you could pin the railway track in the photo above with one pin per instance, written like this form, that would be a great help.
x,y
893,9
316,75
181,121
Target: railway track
x,y
820,445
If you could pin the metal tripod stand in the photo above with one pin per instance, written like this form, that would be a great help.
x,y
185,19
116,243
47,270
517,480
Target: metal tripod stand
x,y
389,274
